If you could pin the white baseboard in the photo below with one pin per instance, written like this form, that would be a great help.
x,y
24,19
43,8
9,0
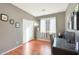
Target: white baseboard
x,y
10,50
44,39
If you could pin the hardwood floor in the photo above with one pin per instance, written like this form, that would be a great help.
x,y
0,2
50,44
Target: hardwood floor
x,y
33,47
39,47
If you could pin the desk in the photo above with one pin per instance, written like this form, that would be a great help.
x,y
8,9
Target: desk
x,y
61,47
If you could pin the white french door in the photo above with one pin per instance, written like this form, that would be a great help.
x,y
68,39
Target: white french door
x,y
27,30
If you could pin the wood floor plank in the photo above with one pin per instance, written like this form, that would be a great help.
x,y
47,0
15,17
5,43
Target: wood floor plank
x,y
33,47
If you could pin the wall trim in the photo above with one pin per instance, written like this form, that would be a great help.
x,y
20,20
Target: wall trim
x,y
14,48
11,49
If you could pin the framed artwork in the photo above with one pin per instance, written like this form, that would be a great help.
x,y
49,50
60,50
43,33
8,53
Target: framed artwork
x,y
11,21
17,25
4,17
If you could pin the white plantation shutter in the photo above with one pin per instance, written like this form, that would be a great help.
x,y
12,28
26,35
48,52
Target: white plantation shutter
x,y
52,25
43,26
48,25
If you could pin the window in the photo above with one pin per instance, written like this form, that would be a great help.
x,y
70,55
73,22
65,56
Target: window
x,y
43,26
48,25
52,25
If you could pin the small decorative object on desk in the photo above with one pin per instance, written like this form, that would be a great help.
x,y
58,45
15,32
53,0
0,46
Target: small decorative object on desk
x,y
59,35
4,17
17,25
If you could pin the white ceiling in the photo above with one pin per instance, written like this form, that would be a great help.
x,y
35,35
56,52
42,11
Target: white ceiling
x,y
39,9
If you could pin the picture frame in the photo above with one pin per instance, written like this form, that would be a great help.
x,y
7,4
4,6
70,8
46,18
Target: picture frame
x,y
11,21
4,17
17,25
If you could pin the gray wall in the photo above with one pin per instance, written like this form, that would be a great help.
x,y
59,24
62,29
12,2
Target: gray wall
x,y
10,36
60,19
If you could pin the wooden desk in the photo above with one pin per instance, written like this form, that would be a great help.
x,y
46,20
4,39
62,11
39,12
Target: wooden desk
x,y
61,47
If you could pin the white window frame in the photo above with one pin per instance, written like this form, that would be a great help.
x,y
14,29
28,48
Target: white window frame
x,y
43,30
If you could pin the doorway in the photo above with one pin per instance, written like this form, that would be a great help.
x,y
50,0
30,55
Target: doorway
x,y
28,30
